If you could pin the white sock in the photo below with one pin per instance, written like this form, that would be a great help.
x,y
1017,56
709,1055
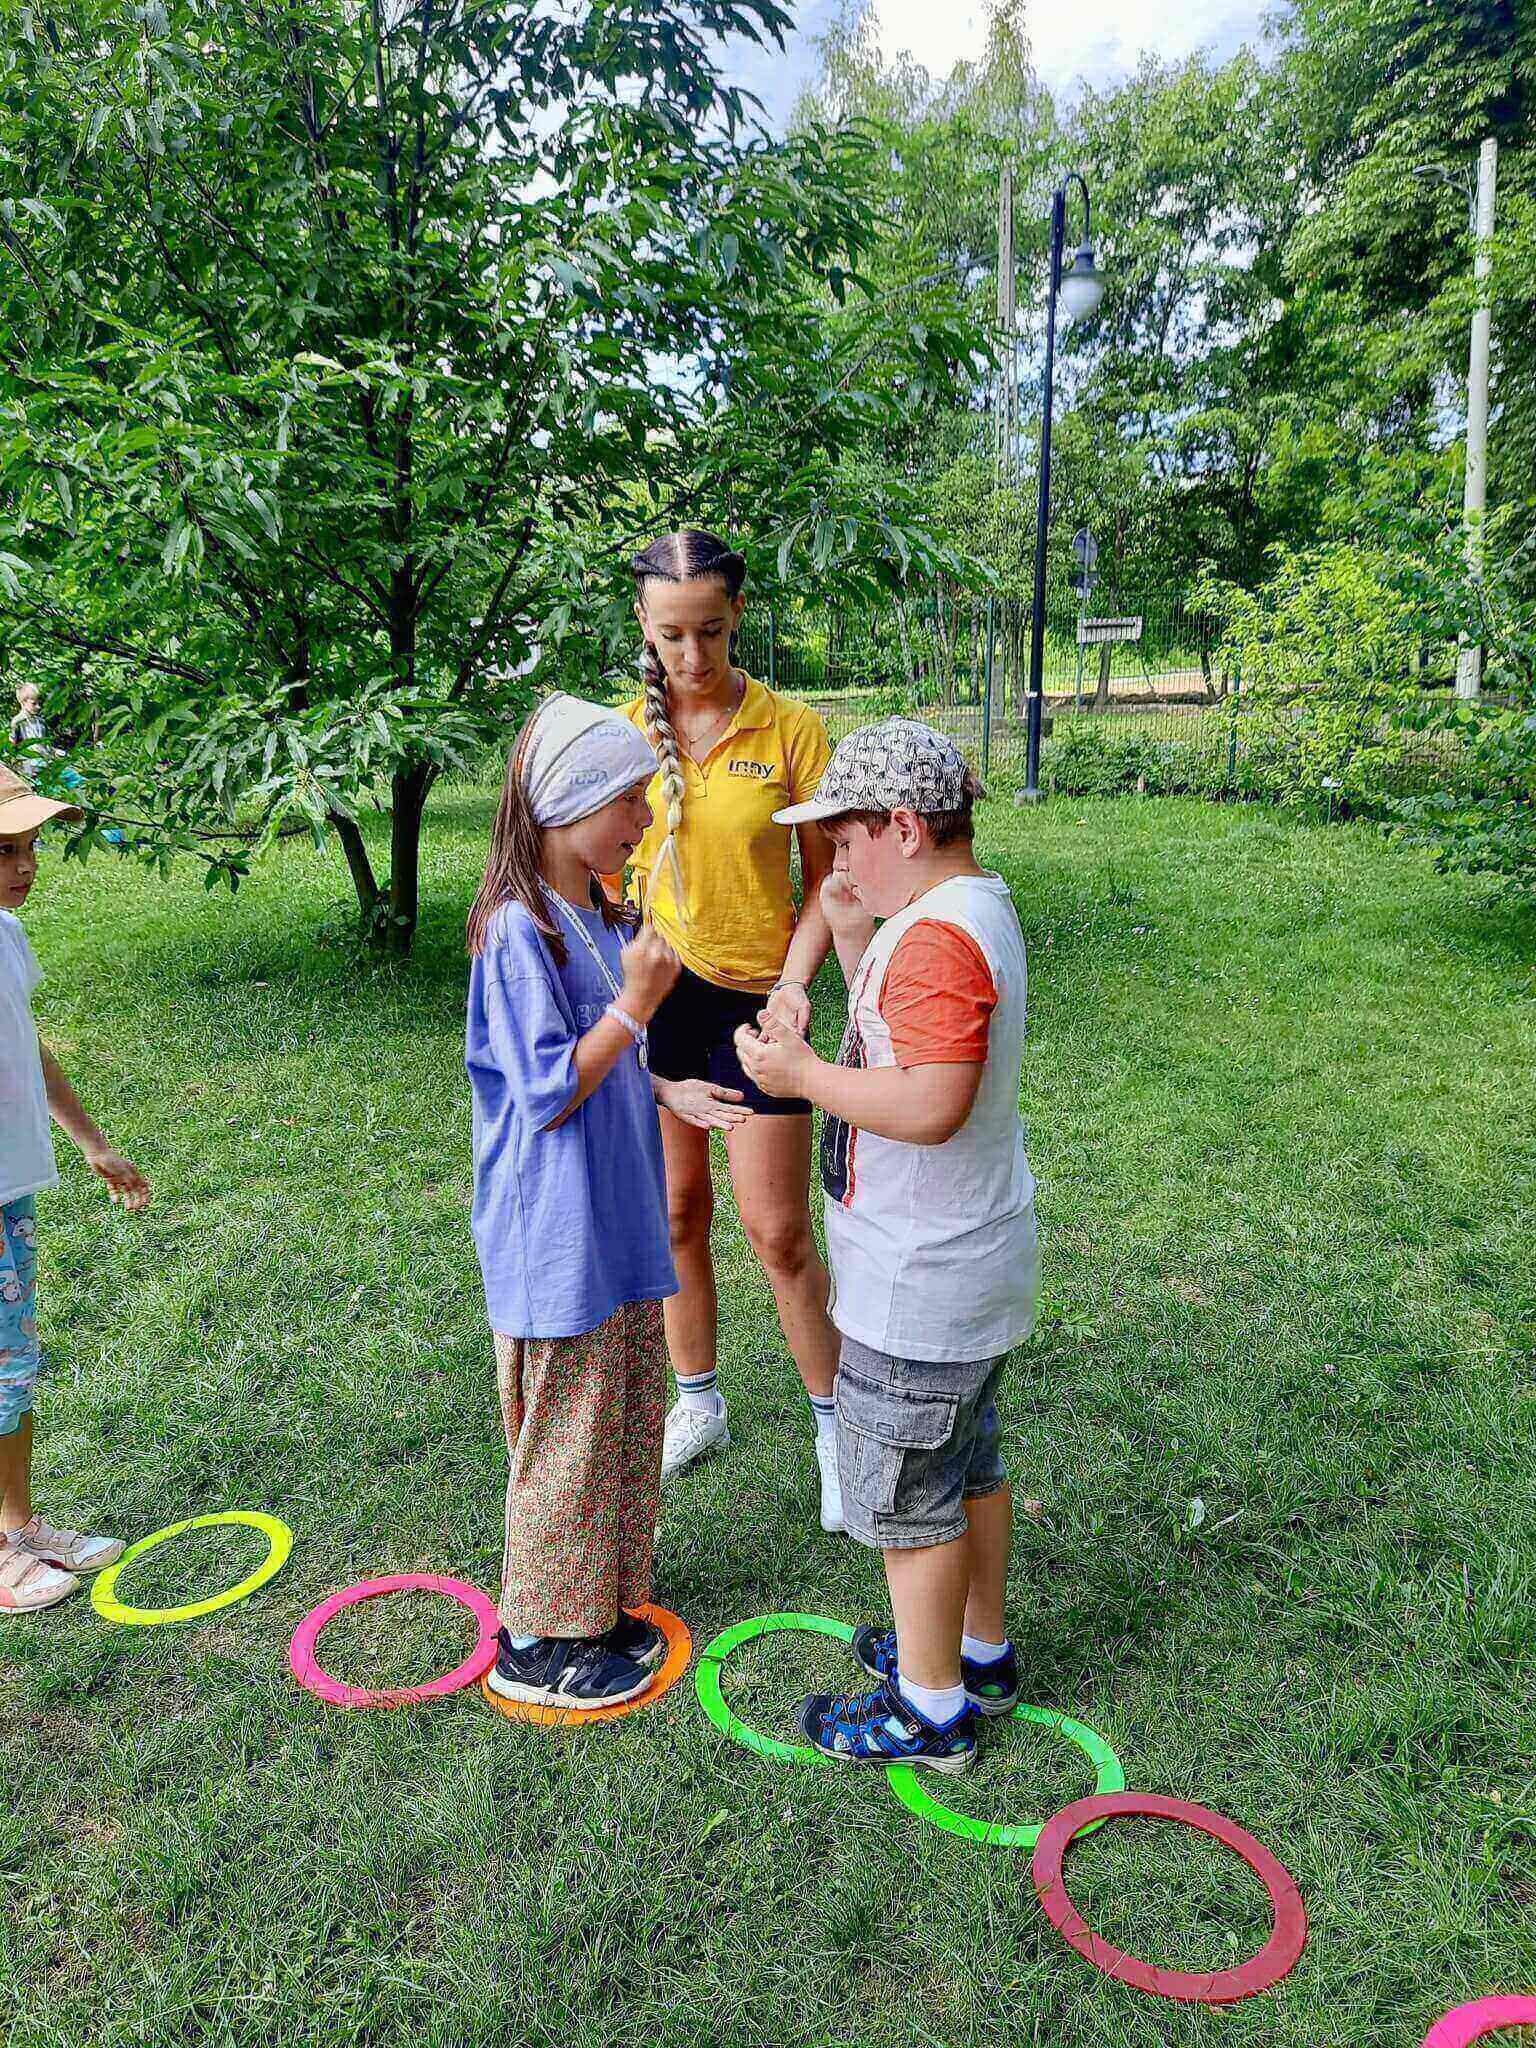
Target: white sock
x,y
981,1652
699,1394
936,1703
825,1413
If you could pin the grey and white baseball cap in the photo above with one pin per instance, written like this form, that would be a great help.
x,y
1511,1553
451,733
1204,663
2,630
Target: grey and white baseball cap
x,y
898,765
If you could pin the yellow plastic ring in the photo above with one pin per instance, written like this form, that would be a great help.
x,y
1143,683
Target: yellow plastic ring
x,y
104,1595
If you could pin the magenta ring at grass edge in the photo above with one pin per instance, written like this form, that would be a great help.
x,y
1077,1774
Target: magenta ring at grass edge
x,y
306,1668
1475,2022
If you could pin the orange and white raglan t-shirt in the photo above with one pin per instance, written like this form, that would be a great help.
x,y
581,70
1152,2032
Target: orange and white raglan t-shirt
x,y
933,1248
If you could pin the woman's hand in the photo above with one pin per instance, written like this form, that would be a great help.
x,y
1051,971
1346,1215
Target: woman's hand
x,y
703,1104
840,905
650,969
777,1061
790,1005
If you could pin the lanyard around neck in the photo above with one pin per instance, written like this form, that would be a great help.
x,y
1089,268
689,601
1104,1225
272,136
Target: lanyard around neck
x,y
568,912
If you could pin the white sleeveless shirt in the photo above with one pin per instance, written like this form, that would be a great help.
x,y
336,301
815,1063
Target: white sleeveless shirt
x,y
933,1248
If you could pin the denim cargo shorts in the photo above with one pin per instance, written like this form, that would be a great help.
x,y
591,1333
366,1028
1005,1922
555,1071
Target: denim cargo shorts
x,y
915,1441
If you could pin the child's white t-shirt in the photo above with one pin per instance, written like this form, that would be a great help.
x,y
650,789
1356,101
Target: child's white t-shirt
x,y
26,1141
933,1247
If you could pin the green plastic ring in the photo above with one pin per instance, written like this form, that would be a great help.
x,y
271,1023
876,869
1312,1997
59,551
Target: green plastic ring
x,y
706,1681
103,1592
915,1796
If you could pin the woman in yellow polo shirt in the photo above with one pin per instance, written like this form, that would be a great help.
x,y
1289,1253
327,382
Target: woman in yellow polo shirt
x,y
714,875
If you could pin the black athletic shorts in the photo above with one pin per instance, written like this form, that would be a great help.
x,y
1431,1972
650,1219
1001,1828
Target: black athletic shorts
x,y
693,1038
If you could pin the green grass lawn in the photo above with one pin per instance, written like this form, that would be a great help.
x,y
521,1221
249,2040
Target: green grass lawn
x,y
1280,1423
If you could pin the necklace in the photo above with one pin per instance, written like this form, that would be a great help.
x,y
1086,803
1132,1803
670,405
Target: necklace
x,y
691,745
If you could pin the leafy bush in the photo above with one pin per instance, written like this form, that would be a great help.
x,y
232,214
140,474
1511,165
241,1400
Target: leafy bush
x,y
1089,760
1327,649
1484,822
1088,757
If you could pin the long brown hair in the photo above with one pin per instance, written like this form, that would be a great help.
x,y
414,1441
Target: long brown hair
x,y
512,867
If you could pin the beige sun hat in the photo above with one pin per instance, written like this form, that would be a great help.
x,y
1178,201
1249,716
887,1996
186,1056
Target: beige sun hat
x,y
23,810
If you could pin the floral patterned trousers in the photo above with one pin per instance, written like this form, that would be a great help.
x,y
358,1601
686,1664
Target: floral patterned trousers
x,y
583,1418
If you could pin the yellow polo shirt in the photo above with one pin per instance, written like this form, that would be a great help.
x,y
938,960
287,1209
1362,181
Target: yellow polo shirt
x,y
735,860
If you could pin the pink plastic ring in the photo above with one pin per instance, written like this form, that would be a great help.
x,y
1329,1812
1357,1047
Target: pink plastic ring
x,y
1483,2016
301,1651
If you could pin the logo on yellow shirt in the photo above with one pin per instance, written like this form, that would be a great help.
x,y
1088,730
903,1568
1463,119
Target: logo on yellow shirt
x,y
760,771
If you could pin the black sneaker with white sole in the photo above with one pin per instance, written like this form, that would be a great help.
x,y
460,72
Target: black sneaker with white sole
x,y
577,1674
642,1642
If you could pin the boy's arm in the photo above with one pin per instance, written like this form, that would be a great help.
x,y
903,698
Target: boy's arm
x,y
124,1181
914,1105
937,1001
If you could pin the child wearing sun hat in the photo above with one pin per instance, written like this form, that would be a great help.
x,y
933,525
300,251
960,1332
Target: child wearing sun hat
x,y
39,1564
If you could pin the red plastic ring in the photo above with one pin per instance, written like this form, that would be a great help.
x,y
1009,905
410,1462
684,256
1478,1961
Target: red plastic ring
x,y
1194,1987
306,1669
1483,2016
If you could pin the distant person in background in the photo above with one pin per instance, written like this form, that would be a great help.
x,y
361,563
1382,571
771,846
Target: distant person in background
x,y
29,734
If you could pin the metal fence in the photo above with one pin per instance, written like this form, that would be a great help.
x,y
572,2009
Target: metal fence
x,y
1132,700
948,652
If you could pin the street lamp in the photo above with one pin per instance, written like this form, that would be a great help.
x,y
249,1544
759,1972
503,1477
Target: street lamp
x,y
1079,287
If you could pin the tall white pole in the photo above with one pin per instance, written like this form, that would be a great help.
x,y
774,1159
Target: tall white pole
x,y
1007,308
1469,659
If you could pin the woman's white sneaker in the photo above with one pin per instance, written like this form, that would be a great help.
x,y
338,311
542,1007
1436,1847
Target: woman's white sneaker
x,y
831,1486
689,1433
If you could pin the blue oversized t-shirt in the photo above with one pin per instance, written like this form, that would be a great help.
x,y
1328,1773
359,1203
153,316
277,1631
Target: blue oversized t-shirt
x,y
571,1223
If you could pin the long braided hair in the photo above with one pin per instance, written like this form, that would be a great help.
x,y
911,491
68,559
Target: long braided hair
x,y
687,556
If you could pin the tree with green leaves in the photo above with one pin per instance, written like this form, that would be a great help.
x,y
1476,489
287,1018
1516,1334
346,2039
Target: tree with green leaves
x,y
1389,102
347,347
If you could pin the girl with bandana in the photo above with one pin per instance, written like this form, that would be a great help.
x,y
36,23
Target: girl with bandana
x,y
570,1212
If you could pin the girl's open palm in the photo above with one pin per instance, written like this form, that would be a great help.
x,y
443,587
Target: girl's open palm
x,y
705,1106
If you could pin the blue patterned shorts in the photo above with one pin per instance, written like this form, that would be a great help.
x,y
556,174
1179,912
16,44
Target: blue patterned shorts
x,y
20,1358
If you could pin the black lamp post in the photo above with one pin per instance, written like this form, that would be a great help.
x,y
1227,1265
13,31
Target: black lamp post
x,y
1080,288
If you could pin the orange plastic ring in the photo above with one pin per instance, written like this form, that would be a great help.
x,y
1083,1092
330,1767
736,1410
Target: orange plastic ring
x,y
673,1665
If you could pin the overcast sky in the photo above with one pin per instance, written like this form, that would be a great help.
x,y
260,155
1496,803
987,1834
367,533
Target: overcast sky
x,y
1073,40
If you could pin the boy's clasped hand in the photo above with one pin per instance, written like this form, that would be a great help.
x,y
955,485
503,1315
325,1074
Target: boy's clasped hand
x,y
779,1060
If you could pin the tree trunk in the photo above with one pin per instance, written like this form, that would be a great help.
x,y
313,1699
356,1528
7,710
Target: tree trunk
x,y
350,834
906,651
409,790
946,620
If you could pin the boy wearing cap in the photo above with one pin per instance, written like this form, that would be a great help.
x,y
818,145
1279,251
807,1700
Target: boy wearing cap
x,y
930,1232
39,1564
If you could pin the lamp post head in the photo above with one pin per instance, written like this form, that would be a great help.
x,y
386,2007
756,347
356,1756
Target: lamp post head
x,y
1082,285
